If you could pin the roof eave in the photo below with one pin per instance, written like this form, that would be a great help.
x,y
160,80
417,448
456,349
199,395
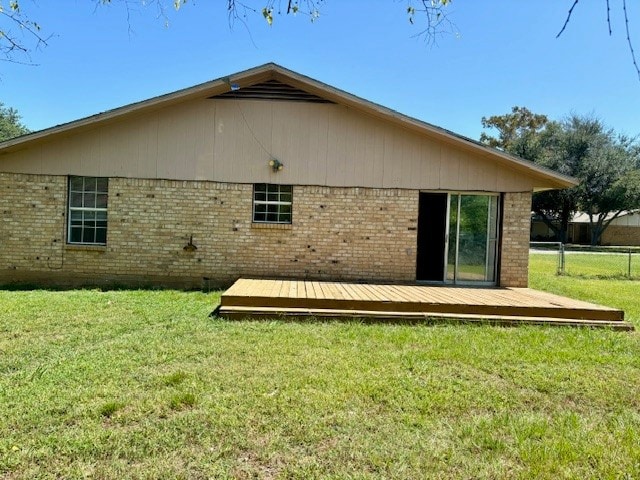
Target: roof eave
x,y
212,87
552,179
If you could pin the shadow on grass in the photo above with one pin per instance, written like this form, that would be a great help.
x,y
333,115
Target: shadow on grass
x,y
29,287
598,276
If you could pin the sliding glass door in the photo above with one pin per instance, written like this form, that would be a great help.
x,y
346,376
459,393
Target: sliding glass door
x,y
457,238
472,238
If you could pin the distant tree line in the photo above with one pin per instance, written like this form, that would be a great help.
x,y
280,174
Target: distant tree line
x,y
606,163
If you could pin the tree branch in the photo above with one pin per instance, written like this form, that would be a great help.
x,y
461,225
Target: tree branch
x,y
626,24
548,221
10,44
566,21
606,223
436,19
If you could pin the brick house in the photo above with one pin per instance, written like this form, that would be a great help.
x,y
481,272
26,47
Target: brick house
x,y
623,230
265,173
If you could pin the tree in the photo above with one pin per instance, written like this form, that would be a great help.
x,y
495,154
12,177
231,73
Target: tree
x,y
531,136
610,179
518,131
10,124
607,165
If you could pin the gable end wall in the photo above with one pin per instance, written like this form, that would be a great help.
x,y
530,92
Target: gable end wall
x,y
233,141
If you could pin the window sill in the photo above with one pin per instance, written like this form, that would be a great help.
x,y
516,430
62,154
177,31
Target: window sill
x,y
272,226
86,248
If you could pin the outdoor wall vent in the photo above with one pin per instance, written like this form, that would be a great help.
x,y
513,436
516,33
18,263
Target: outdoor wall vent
x,y
272,90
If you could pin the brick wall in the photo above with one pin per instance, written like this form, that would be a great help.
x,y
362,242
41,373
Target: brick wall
x,y
356,234
621,235
31,224
516,224
337,233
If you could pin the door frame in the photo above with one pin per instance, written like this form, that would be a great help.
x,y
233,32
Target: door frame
x,y
497,241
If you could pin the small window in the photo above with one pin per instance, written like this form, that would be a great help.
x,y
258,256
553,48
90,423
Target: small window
x,y
87,216
272,203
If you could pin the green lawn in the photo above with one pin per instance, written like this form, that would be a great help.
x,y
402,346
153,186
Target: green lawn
x,y
617,292
598,265
143,384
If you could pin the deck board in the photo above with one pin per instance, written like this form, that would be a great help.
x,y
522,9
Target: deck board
x,y
410,300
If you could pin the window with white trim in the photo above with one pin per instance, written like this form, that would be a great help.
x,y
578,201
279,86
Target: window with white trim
x,y
87,215
272,203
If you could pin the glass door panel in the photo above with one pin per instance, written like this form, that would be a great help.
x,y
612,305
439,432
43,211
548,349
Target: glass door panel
x,y
452,243
492,239
472,238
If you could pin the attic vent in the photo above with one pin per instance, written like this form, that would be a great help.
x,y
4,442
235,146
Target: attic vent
x,y
273,90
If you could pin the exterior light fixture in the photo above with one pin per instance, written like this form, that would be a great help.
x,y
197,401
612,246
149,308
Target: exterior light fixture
x,y
275,164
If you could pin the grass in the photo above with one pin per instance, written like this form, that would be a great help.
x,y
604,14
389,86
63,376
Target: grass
x,y
143,384
597,265
616,292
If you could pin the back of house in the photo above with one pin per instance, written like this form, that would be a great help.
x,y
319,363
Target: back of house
x,y
265,173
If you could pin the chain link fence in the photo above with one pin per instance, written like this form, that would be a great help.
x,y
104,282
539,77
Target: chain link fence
x,y
586,261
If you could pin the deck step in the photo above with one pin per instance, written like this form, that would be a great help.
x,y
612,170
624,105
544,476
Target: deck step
x,y
264,298
244,312
576,312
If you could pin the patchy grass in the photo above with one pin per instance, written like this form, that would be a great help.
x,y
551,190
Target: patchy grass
x,y
109,408
143,384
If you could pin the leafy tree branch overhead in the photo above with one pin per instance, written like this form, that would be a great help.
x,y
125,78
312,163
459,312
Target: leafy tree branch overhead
x,y
20,34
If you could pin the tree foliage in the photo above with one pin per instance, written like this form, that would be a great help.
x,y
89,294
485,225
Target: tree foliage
x,y
10,124
607,165
518,131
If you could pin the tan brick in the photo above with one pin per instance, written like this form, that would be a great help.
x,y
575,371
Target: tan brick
x,y
514,261
338,233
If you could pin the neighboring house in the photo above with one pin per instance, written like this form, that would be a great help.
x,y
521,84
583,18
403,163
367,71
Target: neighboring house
x,y
263,173
623,230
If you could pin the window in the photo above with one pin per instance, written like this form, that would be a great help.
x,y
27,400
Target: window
x,y
272,203
87,218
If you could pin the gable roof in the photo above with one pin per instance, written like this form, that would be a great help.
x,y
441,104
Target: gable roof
x,y
255,81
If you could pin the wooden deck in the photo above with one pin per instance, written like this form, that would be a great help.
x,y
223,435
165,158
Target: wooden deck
x,y
419,303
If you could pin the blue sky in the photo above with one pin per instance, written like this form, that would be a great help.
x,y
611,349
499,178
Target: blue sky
x,y
505,54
